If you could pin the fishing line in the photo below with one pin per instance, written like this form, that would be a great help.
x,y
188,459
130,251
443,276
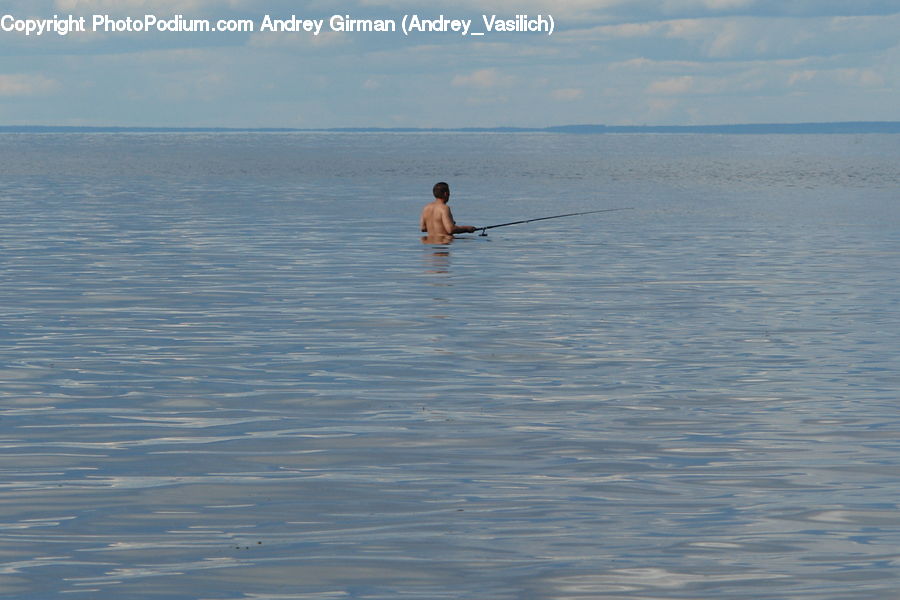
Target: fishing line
x,y
589,212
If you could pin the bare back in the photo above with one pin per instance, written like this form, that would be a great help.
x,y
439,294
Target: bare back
x,y
437,220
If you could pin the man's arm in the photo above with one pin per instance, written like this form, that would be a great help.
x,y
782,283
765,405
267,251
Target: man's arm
x,y
451,226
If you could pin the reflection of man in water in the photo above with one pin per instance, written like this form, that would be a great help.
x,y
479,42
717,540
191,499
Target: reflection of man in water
x,y
437,220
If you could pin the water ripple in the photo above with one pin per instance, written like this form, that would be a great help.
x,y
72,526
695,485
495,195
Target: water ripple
x,y
264,387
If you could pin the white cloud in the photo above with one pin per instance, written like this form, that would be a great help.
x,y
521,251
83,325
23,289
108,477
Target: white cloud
x,y
568,10
486,100
636,60
482,78
867,77
726,41
799,77
646,64
659,108
727,4
287,39
671,87
157,7
843,77
738,37
690,28
26,85
568,94
624,30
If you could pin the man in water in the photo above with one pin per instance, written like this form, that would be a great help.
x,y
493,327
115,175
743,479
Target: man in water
x,y
437,220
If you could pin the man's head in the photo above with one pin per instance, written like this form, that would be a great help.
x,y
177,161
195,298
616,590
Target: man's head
x,y
441,190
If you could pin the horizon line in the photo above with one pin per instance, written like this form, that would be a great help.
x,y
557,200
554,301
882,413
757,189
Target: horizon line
x,y
737,128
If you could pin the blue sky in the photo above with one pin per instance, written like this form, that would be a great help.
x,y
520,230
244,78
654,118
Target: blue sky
x,y
614,62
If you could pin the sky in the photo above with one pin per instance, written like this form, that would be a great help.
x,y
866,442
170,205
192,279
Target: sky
x,y
612,62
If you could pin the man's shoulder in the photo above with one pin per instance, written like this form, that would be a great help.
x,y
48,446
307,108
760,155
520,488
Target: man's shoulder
x,y
436,206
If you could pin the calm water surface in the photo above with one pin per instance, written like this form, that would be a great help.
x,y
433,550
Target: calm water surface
x,y
230,370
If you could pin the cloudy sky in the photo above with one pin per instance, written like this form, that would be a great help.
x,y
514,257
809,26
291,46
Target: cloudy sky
x,y
615,62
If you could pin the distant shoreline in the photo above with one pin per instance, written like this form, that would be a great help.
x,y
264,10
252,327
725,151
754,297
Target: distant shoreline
x,y
847,127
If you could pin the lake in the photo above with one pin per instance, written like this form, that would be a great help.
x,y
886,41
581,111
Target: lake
x,y
230,369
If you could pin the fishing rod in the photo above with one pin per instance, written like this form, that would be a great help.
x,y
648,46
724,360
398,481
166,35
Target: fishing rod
x,y
575,214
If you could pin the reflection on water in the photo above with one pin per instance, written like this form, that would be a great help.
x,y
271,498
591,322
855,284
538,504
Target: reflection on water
x,y
232,390
438,259
441,240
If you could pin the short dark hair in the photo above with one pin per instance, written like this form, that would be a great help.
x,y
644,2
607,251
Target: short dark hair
x,y
441,190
